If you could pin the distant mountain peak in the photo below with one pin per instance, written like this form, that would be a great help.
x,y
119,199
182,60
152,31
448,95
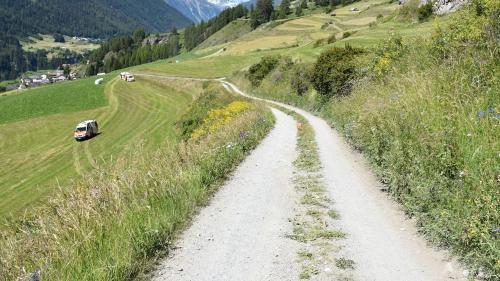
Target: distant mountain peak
x,y
202,10
226,3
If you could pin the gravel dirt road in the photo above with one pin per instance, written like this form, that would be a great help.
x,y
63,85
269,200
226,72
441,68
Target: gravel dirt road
x,y
241,234
382,241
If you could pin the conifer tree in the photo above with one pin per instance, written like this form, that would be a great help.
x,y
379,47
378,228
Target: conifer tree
x,y
262,13
298,11
303,4
284,9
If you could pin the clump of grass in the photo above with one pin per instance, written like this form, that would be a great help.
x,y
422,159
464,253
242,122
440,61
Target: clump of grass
x,y
314,213
319,43
332,39
333,214
344,263
331,234
310,199
305,254
110,225
211,98
308,271
347,34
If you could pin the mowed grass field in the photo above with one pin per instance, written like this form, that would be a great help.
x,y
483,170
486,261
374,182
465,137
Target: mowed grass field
x,y
48,42
39,153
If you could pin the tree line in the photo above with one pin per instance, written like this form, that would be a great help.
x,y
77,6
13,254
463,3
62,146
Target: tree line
x,y
124,51
265,11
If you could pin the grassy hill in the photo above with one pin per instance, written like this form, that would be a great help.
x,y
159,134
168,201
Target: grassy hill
x,y
230,32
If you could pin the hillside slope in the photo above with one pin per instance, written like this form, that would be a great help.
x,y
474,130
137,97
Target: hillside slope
x,y
91,18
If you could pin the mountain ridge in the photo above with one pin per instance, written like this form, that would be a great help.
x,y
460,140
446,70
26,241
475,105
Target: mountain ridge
x,y
90,18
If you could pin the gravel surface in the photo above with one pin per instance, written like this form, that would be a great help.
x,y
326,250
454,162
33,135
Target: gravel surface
x,y
241,234
383,243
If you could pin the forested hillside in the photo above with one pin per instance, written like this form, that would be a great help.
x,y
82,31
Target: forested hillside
x,y
90,18
125,51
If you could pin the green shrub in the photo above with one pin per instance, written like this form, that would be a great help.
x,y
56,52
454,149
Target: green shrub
x,y
409,9
59,38
319,43
334,71
476,26
212,97
298,11
2,89
386,53
300,80
346,34
331,39
424,11
258,71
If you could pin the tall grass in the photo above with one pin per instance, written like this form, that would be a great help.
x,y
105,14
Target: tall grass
x,y
432,132
430,126
109,226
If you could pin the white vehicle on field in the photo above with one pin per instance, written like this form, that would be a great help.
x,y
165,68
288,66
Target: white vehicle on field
x,y
127,77
99,81
86,130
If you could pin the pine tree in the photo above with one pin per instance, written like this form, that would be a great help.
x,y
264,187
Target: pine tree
x,y
284,9
303,5
262,13
298,11
174,31
139,35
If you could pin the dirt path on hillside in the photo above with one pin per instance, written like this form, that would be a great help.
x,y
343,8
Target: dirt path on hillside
x,y
382,242
241,234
